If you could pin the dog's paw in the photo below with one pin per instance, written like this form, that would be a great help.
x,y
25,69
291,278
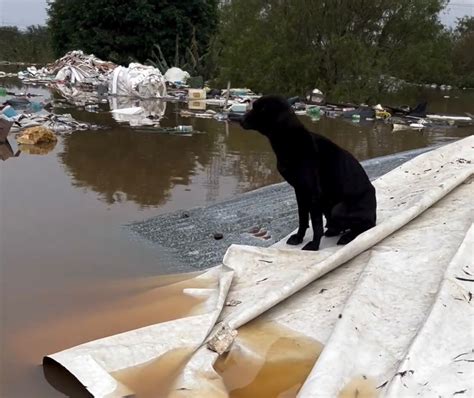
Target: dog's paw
x,y
294,240
347,237
313,246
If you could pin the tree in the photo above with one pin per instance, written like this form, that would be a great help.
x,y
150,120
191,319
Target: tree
x,y
339,46
124,31
463,52
30,45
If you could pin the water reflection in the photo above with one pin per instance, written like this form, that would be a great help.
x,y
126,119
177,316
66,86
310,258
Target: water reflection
x,y
38,149
140,167
122,164
136,111
143,166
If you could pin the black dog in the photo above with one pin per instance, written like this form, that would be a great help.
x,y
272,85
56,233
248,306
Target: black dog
x,y
327,179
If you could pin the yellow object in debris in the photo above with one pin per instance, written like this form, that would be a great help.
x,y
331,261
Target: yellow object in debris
x,y
382,114
36,135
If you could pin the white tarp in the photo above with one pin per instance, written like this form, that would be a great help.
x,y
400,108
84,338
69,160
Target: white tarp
x,y
137,81
176,75
439,361
390,301
352,310
98,359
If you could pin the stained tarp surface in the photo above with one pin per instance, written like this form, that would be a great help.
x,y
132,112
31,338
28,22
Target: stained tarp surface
x,y
374,303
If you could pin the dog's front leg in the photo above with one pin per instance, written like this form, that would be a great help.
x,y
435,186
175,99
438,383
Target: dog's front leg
x,y
317,223
303,217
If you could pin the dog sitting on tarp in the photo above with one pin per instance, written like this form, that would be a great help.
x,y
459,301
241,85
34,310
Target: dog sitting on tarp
x,y
327,179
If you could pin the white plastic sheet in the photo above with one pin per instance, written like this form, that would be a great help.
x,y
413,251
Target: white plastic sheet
x,y
74,67
439,360
92,363
137,81
176,75
424,212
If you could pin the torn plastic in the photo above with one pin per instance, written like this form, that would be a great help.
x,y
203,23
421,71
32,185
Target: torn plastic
x,y
58,123
381,287
79,95
137,81
176,76
74,67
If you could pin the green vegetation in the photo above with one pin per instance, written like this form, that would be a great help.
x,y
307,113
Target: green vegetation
x,y
124,31
463,53
350,49
31,45
341,47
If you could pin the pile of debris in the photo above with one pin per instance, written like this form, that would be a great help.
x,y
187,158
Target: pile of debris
x,y
86,80
74,67
57,123
29,117
84,76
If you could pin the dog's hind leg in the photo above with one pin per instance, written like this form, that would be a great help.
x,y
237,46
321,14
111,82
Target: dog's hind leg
x,y
336,220
356,222
355,231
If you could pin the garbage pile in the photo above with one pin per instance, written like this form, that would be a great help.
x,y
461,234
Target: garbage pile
x,y
74,67
19,120
83,78
57,123
401,118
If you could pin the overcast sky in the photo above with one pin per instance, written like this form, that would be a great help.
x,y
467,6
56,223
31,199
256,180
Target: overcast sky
x,y
23,13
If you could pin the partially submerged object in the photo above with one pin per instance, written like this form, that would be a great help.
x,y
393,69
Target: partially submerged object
x,y
58,123
74,67
6,151
137,81
176,76
392,308
5,126
36,135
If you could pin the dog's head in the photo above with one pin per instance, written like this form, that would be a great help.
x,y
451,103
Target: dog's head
x,y
269,115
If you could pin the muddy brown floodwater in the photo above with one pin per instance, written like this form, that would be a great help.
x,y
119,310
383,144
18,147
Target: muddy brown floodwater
x,y
71,273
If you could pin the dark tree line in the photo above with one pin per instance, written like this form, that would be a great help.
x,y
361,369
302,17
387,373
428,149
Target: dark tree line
x,y
343,47
347,48
32,44
124,31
